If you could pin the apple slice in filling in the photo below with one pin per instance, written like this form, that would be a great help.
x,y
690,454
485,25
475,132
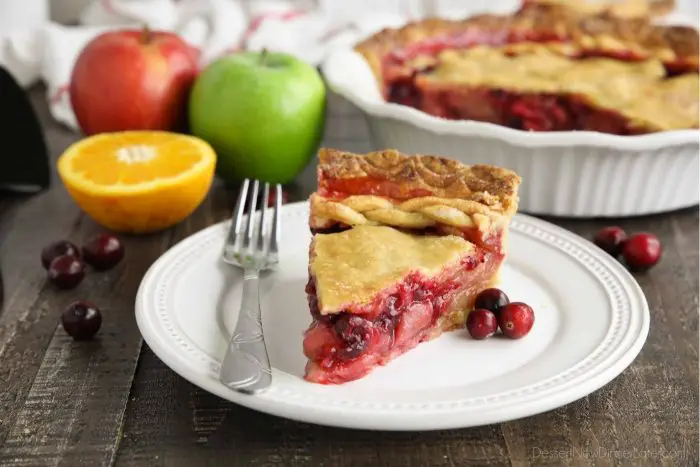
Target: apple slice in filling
x,y
376,292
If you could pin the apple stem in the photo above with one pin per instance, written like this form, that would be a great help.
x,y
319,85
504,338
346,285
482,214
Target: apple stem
x,y
145,34
263,57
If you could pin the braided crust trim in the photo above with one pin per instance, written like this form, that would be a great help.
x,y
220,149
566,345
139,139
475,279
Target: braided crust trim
x,y
415,213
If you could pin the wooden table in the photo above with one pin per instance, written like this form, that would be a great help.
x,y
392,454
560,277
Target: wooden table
x,y
112,401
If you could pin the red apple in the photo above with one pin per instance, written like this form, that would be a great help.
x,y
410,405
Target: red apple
x,y
132,80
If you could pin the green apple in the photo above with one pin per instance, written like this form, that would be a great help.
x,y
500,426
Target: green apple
x,y
263,112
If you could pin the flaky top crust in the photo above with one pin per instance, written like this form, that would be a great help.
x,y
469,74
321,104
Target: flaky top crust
x,y
352,267
605,83
674,45
493,187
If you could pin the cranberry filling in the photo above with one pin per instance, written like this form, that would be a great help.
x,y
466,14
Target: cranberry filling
x,y
354,333
347,345
539,113
340,188
403,91
530,112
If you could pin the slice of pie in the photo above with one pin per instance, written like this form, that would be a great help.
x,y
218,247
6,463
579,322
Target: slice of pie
x,y
547,67
376,292
401,258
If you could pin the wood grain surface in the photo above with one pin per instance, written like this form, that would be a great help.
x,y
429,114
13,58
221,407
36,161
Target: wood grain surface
x,y
111,401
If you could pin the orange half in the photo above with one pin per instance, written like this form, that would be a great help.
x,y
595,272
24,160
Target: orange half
x,y
138,181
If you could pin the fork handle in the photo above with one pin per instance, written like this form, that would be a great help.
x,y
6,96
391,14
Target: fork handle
x,y
246,365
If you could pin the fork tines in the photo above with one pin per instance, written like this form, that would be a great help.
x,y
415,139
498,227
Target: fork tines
x,y
254,241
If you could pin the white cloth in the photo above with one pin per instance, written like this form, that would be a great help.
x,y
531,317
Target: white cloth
x,y
305,28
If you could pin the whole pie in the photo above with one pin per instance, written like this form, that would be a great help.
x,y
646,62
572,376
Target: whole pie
x,y
402,245
548,67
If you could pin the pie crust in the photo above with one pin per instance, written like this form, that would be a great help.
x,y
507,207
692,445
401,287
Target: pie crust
x,y
352,267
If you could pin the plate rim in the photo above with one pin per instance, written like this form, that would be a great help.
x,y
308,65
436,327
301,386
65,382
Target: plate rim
x,y
423,417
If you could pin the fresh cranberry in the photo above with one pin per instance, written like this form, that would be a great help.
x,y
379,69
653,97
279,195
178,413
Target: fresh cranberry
x,y
482,324
66,272
56,249
81,320
611,239
491,299
103,251
516,319
642,251
354,332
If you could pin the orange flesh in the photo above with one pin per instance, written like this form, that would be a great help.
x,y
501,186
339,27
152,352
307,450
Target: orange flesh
x,y
162,157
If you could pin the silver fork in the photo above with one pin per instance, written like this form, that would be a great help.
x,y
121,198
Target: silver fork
x,y
246,365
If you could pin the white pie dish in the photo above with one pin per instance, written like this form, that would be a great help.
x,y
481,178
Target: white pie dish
x,y
592,320
573,174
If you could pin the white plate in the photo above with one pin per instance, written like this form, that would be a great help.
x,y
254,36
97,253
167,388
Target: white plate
x,y
591,321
